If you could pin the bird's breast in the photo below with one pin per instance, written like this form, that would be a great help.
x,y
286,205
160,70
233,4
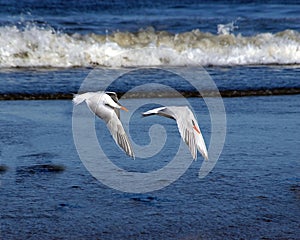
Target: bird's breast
x,y
102,111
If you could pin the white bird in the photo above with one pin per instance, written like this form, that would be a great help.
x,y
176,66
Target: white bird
x,y
187,125
107,107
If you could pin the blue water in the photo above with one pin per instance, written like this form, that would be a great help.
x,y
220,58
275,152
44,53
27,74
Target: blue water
x,y
176,16
252,193
86,34
43,81
51,47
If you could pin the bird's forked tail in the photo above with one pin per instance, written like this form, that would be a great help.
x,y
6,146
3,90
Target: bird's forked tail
x,y
79,98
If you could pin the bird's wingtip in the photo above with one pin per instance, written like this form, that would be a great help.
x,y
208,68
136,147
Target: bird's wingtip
x,y
78,98
204,155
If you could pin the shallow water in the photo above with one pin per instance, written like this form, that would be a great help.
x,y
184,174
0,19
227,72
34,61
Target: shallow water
x,y
62,83
253,192
48,48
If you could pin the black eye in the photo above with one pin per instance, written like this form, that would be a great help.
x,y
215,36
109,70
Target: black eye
x,y
193,122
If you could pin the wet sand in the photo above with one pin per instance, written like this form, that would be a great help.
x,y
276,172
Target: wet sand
x,y
223,93
252,193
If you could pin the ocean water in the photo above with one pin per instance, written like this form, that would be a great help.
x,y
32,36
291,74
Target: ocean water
x,y
50,46
148,33
252,193
249,50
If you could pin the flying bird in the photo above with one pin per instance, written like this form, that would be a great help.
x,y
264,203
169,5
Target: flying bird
x,y
107,107
187,125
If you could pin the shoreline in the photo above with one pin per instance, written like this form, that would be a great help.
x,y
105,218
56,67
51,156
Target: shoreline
x,y
223,93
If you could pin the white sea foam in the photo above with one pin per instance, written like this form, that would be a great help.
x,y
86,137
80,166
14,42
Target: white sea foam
x,y
226,29
44,47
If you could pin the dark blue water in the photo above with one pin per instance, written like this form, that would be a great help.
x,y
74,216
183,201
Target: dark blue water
x,y
149,33
174,16
48,48
252,193
39,36
67,81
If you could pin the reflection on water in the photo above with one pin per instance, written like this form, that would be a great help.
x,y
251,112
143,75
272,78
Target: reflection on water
x,y
249,194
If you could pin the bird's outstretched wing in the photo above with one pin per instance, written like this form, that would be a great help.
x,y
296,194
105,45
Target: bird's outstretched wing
x,y
187,126
97,103
190,131
119,135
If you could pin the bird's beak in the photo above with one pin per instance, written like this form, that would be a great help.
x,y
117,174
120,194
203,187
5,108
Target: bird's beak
x,y
196,129
124,108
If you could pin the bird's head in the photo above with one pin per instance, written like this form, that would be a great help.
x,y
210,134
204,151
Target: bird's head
x,y
110,102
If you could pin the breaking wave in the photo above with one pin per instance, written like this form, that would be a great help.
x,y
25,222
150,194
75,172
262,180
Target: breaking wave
x,y
44,47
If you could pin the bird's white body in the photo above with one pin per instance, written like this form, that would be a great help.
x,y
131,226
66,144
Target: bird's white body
x,y
187,126
105,105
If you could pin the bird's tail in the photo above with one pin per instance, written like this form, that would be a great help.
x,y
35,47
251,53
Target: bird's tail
x,y
79,98
152,111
